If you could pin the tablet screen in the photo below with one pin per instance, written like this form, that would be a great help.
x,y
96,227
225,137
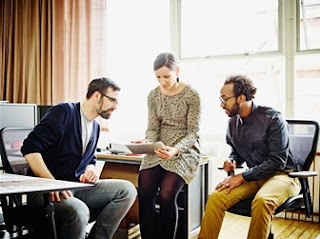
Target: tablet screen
x,y
141,148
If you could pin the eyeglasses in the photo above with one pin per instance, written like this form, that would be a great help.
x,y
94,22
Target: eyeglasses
x,y
224,101
113,100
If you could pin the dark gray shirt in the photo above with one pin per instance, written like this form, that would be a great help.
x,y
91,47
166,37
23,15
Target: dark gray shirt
x,y
262,141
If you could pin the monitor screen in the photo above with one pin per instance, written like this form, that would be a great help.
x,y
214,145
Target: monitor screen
x,y
42,110
18,115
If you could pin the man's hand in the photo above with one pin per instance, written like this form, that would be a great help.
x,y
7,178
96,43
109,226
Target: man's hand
x,y
40,169
229,165
89,176
230,183
55,196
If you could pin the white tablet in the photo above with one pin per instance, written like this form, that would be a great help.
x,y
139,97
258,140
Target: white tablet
x,y
140,148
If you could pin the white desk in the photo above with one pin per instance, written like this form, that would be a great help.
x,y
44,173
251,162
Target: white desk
x,y
11,184
15,184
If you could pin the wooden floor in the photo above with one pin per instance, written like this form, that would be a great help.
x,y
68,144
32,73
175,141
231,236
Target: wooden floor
x,y
235,226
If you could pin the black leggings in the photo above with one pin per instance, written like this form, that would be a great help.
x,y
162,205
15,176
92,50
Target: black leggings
x,y
168,184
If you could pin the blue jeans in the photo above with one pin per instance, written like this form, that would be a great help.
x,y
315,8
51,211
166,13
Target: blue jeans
x,y
106,203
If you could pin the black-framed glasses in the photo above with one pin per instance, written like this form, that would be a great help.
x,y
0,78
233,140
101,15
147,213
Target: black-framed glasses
x,y
113,100
224,101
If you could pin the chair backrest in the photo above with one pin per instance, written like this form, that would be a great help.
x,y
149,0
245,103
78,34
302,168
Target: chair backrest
x,y
11,140
16,212
303,141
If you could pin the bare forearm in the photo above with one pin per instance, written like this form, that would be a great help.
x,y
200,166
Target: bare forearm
x,y
38,166
40,169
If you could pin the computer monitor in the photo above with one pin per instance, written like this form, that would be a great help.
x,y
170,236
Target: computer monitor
x,y
18,115
42,110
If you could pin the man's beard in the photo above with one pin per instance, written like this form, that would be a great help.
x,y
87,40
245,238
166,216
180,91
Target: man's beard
x,y
235,110
104,114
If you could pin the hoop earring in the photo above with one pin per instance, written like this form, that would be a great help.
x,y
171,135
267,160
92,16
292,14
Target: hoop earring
x,y
178,80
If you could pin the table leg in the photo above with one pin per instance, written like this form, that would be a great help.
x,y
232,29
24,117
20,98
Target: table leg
x,y
49,206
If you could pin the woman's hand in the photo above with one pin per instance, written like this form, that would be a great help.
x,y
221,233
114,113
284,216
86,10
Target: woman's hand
x,y
166,153
139,141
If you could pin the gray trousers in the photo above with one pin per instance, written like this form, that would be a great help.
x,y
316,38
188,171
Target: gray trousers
x,y
106,203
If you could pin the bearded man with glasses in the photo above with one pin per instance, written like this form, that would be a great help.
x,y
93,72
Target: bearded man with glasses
x,y
62,146
259,137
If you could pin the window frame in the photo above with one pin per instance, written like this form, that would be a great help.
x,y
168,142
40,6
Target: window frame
x,y
298,30
176,22
288,43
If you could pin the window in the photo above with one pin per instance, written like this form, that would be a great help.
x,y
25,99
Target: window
x,y
215,39
309,24
208,77
307,87
245,37
137,31
306,93
210,28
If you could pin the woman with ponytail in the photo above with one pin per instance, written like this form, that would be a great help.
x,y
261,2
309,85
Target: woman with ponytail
x,y
173,119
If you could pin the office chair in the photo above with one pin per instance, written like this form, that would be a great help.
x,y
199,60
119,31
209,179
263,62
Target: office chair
x,y
303,141
17,215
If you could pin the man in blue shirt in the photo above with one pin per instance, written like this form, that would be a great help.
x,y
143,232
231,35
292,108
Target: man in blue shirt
x,y
259,137
62,146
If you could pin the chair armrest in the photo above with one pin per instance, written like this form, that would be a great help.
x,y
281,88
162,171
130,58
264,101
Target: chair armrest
x,y
231,172
221,168
302,174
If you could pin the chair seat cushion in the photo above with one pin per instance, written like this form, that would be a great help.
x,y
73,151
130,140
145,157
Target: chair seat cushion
x,y
242,208
292,203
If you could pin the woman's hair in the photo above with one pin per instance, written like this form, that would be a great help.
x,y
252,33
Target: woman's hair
x,y
242,85
166,59
101,85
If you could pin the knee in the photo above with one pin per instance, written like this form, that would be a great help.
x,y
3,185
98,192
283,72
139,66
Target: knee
x,y
215,200
166,197
83,215
129,191
262,204
75,211
212,199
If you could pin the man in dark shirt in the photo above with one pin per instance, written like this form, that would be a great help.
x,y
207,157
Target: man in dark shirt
x,y
62,146
259,137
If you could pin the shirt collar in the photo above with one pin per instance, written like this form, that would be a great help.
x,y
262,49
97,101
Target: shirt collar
x,y
253,112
